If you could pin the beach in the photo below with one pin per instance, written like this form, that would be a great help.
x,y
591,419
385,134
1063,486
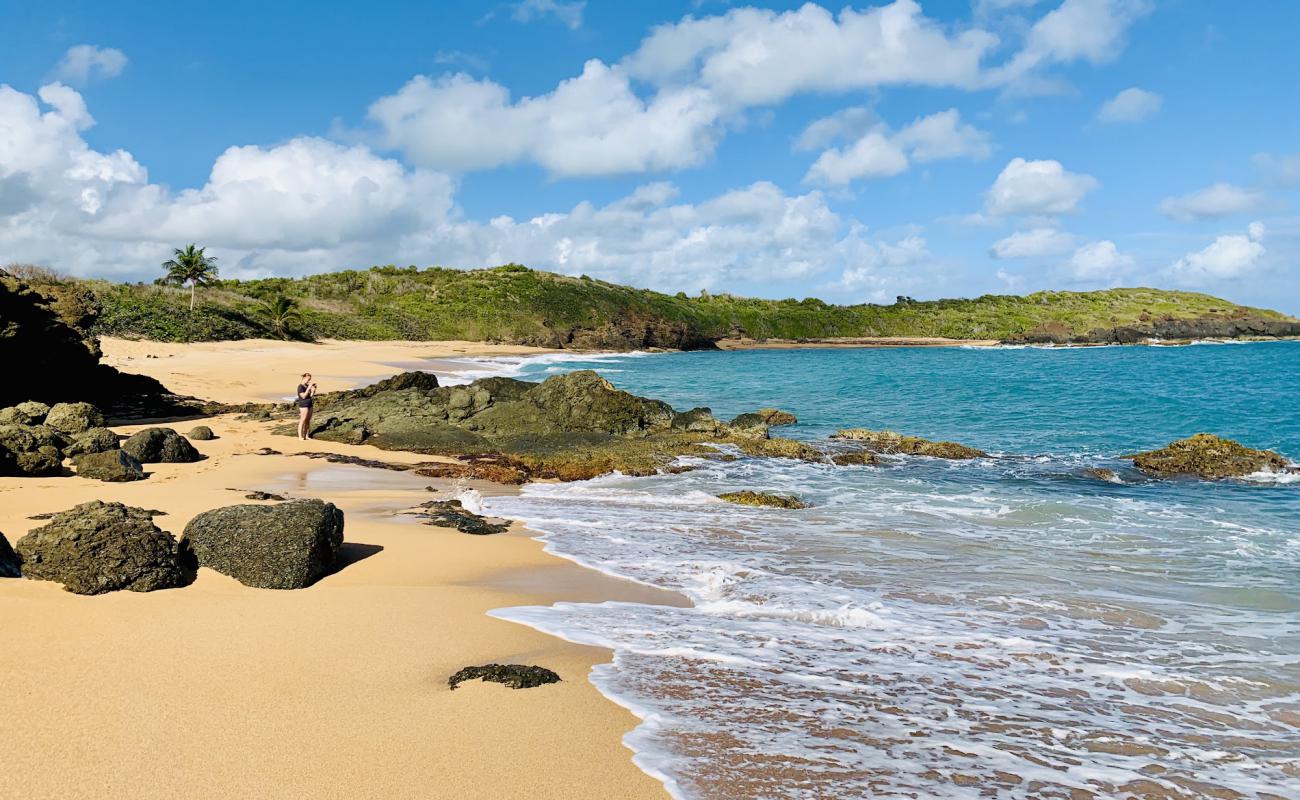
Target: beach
x,y
336,690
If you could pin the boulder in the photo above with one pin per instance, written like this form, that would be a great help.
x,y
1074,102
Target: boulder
x,y
697,419
516,676
113,466
775,417
9,564
284,546
748,498
201,433
1208,456
1102,474
891,442
95,440
160,446
28,413
854,459
102,547
31,450
74,418
452,514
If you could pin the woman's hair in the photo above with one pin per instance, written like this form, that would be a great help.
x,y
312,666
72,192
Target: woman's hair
x,y
306,374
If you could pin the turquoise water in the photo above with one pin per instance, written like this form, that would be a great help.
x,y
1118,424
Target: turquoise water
x,y
1001,627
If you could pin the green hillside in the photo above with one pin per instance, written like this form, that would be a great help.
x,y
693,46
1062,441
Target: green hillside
x,y
518,305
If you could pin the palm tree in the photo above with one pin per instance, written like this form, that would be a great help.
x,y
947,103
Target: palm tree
x,y
191,266
282,313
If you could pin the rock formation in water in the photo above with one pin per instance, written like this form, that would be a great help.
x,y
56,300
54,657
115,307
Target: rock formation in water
x,y
285,546
890,442
452,514
767,499
1208,456
100,547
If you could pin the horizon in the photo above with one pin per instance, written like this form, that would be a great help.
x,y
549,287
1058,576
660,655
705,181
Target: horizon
x,y
770,150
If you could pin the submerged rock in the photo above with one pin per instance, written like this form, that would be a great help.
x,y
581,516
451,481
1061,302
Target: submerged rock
x,y
28,413
891,442
9,565
1102,474
1208,456
74,418
160,446
284,546
201,433
100,547
114,466
452,514
748,498
854,459
501,469
94,440
516,676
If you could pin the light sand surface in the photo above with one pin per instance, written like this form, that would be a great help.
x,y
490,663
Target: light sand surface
x,y
334,691
852,341
266,370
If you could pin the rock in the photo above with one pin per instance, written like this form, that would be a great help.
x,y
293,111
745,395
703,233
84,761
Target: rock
x,y
1208,456
284,546
255,494
697,419
28,413
750,424
31,450
160,446
74,418
95,440
1102,474
496,470
113,466
748,498
775,417
891,442
858,458
201,433
516,676
9,564
452,514
102,547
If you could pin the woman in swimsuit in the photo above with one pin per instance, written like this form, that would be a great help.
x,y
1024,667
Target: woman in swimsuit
x,y
306,394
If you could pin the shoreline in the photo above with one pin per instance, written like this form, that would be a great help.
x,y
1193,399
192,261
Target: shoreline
x,y
336,690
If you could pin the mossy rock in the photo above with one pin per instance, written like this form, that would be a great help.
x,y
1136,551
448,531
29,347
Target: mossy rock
x,y
453,514
854,459
94,440
113,466
1208,456
31,450
28,413
160,446
201,433
516,676
890,442
775,417
1102,474
74,418
765,499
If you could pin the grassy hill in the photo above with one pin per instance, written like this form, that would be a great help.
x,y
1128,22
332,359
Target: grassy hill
x,y
515,304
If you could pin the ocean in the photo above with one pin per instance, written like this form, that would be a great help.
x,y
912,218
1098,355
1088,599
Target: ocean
x,y
1003,627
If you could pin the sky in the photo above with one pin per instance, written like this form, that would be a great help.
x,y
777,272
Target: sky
x,y
853,153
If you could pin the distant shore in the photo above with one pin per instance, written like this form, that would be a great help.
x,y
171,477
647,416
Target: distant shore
x,y
334,691
852,341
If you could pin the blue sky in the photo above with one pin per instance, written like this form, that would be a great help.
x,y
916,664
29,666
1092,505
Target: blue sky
x,y
849,152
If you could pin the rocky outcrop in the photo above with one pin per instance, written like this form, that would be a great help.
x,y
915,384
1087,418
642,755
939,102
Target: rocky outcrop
x,y
1102,474
452,514
102,547
9,564
497,469
27,413
1218,326
95,440
890,442
74,418
31,450
748,498
201,433
857,458
775,417
160,446
285,546
112,466
516,676
1208,456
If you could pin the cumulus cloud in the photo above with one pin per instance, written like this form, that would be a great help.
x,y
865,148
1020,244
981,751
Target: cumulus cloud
x,y
1037,188
846,124
1093,31
568,13
1228,256
86,62
1035,243
1131,105
1099,262
881,153
1219,200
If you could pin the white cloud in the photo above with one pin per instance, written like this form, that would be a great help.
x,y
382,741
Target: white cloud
x,y
1037,188
1285,170
568,13
1131,105
1035,243
879,153
1099,262
846,124
1077,30
86,62
1219,200
1228,256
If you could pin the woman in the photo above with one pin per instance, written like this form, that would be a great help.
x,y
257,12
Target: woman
x,y
306,393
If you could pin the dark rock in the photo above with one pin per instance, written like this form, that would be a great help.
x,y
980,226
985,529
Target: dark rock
x,y
31,450
853,459
9,565
775,417
102,547
160,446
697,419
266,451
28,413
1102,474
95,440
749,424
516,676
499,469
254,494
201,433
285,546
1208,456
452,514
748,498
114,466
74,418
891,442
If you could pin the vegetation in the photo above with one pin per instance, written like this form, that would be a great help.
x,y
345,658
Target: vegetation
x,y
281,314
192,266
515,304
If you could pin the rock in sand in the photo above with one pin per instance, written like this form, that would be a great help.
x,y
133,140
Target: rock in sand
x,y
113,466
160,446
284,546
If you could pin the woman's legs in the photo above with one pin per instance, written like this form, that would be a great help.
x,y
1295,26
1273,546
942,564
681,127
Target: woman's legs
x,y
304,422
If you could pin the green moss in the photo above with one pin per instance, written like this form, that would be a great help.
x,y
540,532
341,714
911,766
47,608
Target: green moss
x,y
748,498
